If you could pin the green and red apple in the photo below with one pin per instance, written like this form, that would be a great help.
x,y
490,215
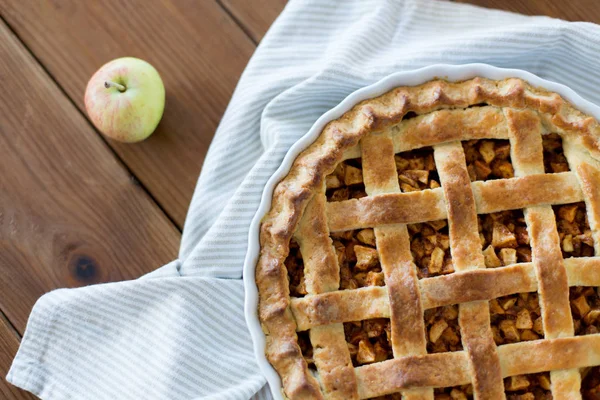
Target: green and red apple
x,y
125,99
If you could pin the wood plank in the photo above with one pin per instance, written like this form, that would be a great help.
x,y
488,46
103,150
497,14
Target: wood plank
x,y
70,213
9,343
198,49
575,10
255,16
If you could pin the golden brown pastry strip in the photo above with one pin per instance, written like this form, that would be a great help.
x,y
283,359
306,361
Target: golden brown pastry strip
x,y
332,359
550,271
462,215
392,208
379,168
525,129
341,306
452,369
590,183
347,305
479,284
465,245
583,271
554,354
321,270
322,274
406,314
526,191
431,370
393,245
429,205
587,170
445,126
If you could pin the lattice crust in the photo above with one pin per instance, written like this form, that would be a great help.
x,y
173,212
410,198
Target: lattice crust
x,y
438,241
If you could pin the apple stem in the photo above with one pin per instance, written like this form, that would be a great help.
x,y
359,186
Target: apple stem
x,y
109,84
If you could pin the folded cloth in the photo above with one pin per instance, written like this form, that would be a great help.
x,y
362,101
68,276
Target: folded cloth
x,y
179,332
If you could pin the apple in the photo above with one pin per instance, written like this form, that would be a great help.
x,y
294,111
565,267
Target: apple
x,y
125,99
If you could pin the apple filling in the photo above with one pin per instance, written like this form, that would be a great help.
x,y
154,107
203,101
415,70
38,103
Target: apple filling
x,y
590,384
442,330
368,341
585,309
356,250
454,393
346,181
394,396
504,238
358,259
306,348
554,157
416,170
516,318
574,230
528,387
295,270
488,159
430,248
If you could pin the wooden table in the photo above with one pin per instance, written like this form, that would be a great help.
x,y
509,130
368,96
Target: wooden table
x,y
77,209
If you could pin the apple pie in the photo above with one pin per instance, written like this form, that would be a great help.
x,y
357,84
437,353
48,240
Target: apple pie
x,y
440,241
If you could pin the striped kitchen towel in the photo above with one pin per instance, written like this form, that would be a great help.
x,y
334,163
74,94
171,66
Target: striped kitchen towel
x,y
179,333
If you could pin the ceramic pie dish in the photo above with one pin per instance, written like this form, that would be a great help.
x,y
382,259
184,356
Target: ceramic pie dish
x,y
435,235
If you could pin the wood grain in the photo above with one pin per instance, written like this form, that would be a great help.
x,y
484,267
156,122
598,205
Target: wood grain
x,y
254,16
574,10
9,343
196,47
70,214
